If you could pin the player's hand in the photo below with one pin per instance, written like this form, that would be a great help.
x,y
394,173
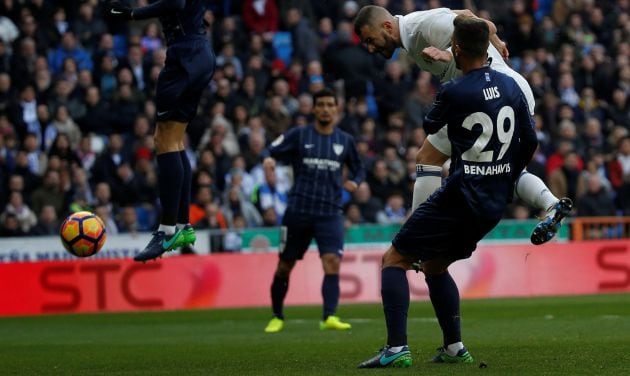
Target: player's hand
x,y
435,54
269,163
350,186
503,50
119,11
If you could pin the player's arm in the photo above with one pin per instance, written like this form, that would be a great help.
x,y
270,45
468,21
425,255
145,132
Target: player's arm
x,y
494,38
284,147
159,8
528,142
437,116
355,165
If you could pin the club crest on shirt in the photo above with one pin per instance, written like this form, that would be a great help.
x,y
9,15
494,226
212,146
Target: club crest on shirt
x,y
338,148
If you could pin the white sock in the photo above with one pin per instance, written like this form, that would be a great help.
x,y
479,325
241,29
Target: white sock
x,y
428,180
181,225
168,230
396,349
534,192
453,348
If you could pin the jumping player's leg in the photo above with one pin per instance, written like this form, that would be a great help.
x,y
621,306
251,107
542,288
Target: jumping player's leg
x,y
168,137
529,188
434,152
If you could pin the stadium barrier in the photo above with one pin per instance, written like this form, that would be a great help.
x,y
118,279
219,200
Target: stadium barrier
x,y
242,280
597,228
49,248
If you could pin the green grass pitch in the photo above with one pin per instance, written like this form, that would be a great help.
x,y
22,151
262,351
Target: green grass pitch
x,y
588,335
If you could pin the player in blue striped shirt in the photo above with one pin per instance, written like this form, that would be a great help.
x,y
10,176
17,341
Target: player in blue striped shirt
x,y
317,154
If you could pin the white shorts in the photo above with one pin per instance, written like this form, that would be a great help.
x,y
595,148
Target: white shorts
x,y
440,139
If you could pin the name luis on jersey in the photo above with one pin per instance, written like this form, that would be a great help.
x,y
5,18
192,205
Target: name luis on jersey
x,y
491,93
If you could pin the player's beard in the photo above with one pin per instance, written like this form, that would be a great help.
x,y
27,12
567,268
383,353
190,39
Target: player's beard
x,y
389,46
325,123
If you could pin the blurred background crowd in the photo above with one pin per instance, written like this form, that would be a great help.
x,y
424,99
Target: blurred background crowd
x,y
77,116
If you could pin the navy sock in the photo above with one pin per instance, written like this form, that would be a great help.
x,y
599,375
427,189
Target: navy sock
x,y
395,295
184,201
170,179
279,288
330,293
445,299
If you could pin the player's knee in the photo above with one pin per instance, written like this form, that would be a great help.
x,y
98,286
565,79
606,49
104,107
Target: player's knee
x,y
284,269
331,263
429,155
392,258
432,268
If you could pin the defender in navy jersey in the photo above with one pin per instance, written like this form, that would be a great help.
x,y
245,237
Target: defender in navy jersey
x,y
188,69
317,154
492,138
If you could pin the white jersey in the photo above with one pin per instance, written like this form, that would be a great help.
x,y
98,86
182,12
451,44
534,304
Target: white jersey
x,y
422,29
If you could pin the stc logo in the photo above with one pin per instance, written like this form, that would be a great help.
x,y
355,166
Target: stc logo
x,y
66,295
606,261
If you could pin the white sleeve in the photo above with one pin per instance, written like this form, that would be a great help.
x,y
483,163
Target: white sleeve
x,y
436,26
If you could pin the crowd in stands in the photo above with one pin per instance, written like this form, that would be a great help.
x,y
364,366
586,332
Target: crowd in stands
x,y
77,116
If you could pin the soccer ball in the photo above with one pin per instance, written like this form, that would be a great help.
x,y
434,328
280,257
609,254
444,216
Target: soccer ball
x,y
82,234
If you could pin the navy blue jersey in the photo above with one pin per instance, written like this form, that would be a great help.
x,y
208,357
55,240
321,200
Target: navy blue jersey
x,y
317,161
491,133
179,18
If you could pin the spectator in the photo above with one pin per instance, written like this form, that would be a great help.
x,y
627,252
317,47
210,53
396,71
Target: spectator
x,y
105,215
380,181
232,242
10,226
596,202
48,223
563,181
303,37
276,119
86,27
269,195
128,222
105,165
394,211
63,123
236,205
260,16
368,204
23,214
619,168
49,193
213,218
69,47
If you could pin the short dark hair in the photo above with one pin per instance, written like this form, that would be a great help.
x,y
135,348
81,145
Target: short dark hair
x,y
472,35
367,16
325,92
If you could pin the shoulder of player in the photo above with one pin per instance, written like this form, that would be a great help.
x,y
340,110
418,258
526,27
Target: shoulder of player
x,y
413,22
448,87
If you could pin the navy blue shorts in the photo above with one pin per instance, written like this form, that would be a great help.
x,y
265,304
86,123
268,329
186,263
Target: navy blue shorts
x,y
298,230
187,72
442,227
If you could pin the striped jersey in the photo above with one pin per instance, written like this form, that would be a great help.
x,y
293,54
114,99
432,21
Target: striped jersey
x,y
318,161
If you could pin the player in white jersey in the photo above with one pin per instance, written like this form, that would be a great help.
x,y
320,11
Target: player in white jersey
x,y
426,36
